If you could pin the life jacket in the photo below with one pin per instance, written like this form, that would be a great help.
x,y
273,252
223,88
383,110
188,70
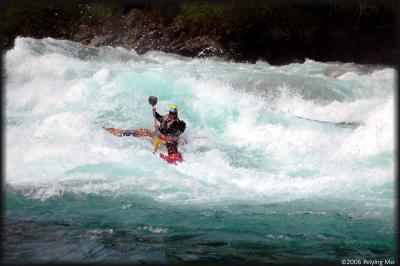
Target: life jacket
x,y
173,158
172,127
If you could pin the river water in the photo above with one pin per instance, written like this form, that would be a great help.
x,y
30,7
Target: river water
x,y
292,163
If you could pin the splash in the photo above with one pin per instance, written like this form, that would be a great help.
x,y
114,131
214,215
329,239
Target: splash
x,y
255,132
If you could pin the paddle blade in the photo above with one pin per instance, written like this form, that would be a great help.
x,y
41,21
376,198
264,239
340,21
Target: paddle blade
x,y
153,100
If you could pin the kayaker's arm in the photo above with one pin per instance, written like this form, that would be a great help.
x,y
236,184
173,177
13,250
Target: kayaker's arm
x,y
177,128
157,115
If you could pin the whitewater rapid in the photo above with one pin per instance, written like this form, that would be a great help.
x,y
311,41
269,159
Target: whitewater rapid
x,y
253,131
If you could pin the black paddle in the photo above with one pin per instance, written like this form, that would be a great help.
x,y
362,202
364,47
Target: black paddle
x,y
153,101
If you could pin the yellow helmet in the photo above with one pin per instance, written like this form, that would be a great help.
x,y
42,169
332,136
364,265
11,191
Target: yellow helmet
x,y
173,109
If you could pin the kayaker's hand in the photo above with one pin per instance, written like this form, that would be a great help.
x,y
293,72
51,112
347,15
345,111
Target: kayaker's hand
x,y
157,126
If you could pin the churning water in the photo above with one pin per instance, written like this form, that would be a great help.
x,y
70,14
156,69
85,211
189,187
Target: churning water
x,y
289,163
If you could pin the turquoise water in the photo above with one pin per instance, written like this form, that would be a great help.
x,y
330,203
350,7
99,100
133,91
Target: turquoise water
x,y
271,173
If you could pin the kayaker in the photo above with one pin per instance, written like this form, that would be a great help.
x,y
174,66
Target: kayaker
x,y
169,130
171,127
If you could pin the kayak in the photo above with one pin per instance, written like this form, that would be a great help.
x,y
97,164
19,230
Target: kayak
x,y
172,158
138,132
157,141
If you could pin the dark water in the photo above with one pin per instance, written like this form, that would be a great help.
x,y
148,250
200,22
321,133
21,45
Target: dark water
x,y
130,229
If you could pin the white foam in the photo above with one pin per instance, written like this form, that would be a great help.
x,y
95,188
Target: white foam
x,y
240,146
375,136
101,76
